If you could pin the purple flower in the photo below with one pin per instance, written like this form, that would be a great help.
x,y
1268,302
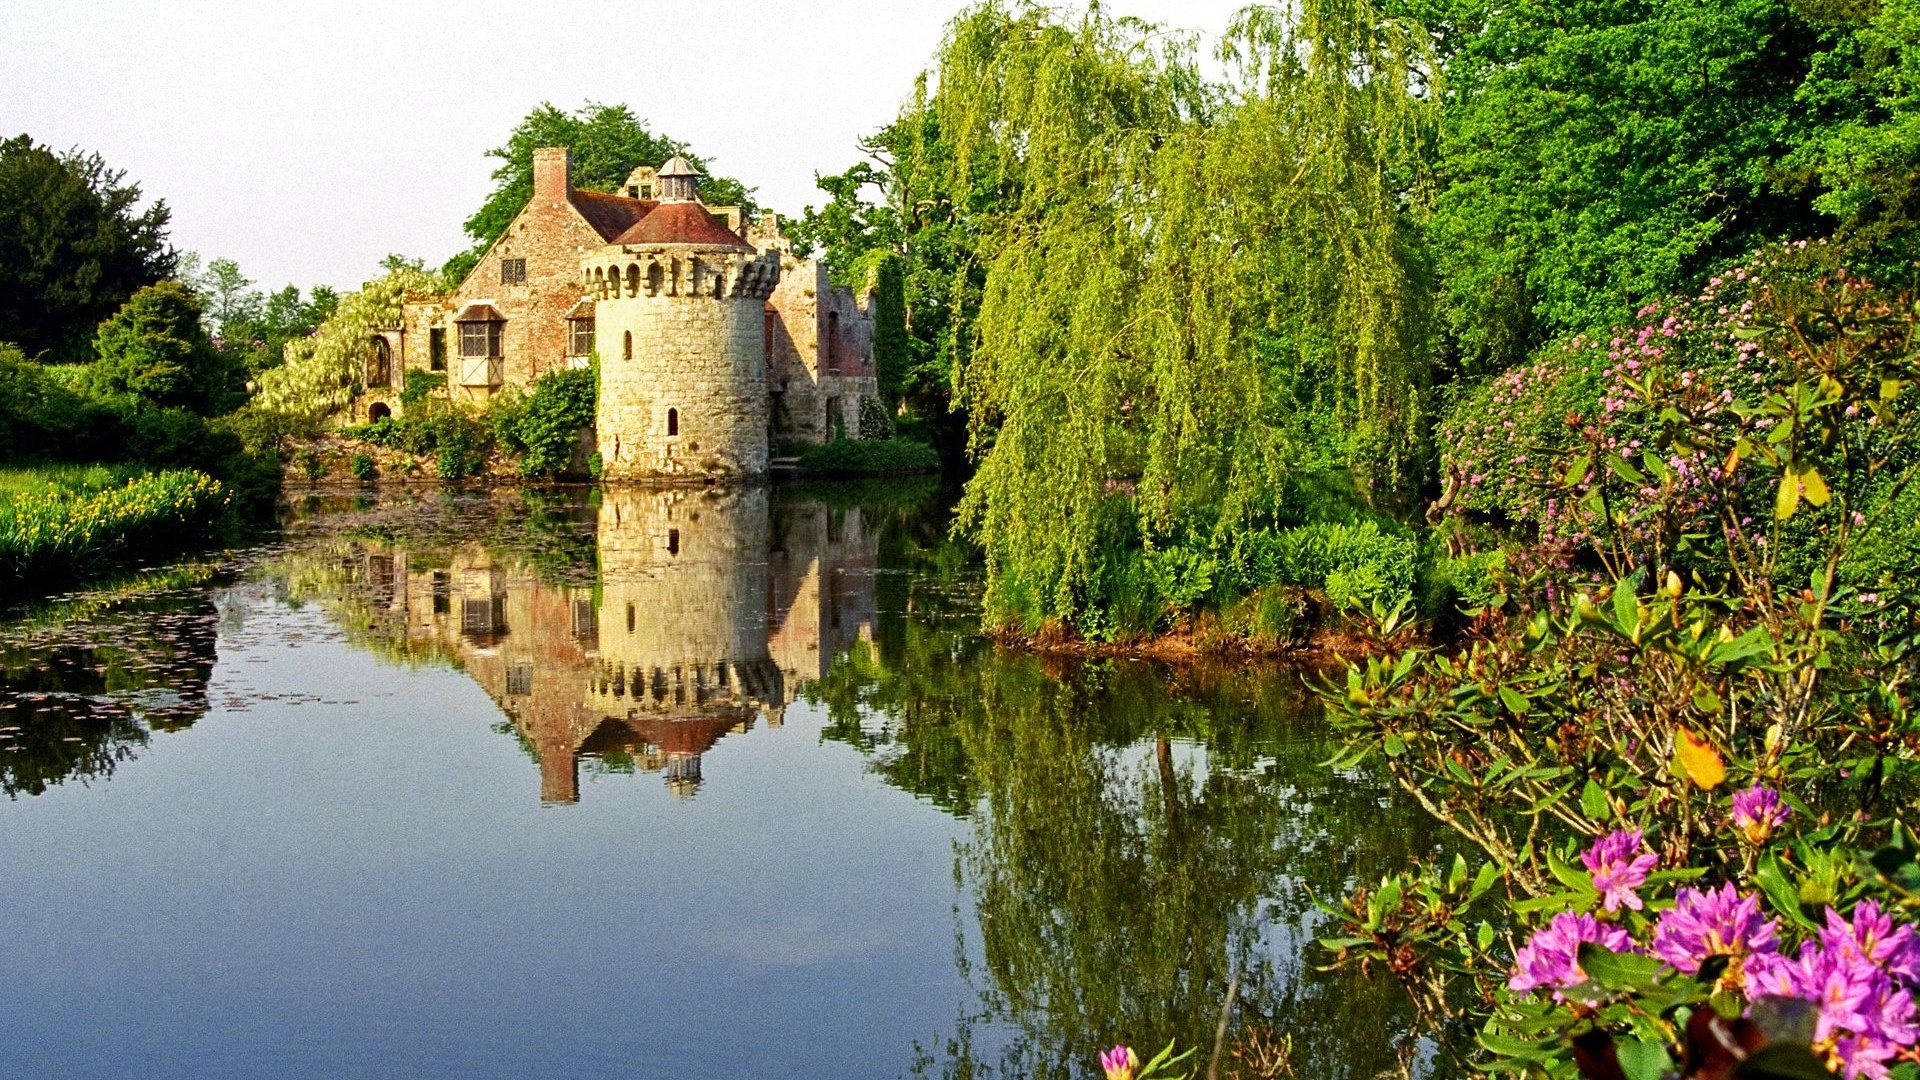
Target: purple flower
x,y
1866,1017
1551,958
1119,1063
1713,922
1758,811
1873,938
1619,864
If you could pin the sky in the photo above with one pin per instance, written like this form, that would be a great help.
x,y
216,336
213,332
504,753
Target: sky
x,y
307,140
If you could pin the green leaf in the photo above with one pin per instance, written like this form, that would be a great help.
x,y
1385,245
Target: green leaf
x,y
1815,487
1626,605
1593,800
1787,499
1484,880
1394,746
1577,470
1516,702
1781,894
1643,1060
1618,971
1483,937
1625,471
1458,875
1578,879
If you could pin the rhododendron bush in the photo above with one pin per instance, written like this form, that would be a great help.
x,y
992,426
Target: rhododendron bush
x,y
1685,747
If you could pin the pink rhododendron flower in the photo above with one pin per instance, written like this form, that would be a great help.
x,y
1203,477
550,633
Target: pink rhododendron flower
x,y
1758,811
1551,958
1619,863
1713,922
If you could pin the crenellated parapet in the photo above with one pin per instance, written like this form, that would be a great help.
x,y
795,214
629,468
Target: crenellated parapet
x,y
627,272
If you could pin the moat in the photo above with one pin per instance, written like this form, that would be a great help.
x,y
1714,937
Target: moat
x,y
636,783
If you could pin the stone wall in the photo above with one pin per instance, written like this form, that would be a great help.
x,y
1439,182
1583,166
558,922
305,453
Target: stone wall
x,y
819,355
552,237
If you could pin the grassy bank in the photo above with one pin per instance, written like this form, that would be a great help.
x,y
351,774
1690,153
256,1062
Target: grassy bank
x,y
67,521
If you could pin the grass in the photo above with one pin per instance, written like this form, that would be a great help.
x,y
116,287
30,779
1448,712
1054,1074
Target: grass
x,y
77,479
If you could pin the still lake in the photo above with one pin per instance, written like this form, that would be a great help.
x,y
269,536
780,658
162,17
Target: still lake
x,y
700,783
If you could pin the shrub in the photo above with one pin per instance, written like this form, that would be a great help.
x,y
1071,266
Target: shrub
x,y
155,348
1358,563
420,386
545,429
876,420
362,466
858,457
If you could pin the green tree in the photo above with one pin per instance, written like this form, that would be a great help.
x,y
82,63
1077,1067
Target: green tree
x,y
1599,154
155,348
608,142
74,246
1191,290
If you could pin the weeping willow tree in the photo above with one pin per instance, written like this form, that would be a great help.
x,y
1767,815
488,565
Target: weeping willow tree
x,y
1193,288
323,372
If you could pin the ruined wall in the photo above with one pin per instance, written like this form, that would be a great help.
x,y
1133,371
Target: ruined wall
x,y
823,565
683,389
819,349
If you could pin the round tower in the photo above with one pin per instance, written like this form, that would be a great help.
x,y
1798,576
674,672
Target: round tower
x,y
679,323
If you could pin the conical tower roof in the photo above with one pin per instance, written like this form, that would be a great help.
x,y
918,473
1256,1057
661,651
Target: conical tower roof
x,y
678,166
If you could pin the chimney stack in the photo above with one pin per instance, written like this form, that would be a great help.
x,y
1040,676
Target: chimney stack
x,y
552,173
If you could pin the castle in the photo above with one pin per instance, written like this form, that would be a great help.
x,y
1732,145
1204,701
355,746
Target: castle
x,y
714,341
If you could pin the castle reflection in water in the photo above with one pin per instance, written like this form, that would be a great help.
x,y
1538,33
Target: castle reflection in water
x,y
714,609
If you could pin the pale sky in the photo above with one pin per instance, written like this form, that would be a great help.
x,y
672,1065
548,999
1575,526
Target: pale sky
x,y
308,140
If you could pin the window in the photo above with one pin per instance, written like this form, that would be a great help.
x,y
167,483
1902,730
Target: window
x,y
581,341
442,593
766,326
646,191
480,339
513,271
626,346
437,349
520,680
673,422
833,343
379,363
673,541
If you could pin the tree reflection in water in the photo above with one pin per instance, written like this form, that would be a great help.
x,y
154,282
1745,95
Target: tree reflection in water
x,y
83,686
1143,840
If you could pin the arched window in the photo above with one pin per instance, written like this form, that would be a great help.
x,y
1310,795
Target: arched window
x,y
379,363
673,422
656,277
379,412
626,345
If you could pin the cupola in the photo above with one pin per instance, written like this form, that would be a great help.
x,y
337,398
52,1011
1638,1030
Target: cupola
x,y
679,181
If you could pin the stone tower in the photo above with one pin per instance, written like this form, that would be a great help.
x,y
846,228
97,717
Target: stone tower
x,y
680,328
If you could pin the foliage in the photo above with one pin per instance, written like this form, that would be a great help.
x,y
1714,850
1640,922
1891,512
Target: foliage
x,y
607,142
1690,629
155,348
57,531
420,386
544,430
920,215
362,468
869,457
251,329
323,372
875,421
73,247
1179,274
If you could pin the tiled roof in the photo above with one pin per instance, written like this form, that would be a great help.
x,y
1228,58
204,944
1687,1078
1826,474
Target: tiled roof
x,y
682,223
611,215
479,313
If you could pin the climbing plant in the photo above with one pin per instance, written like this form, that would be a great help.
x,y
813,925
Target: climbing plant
x,y
1191,287
323,371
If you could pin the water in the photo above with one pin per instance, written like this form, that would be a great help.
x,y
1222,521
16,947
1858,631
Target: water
x,y
649,784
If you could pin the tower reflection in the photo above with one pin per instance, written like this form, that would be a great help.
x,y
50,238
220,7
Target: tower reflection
x,y
714,608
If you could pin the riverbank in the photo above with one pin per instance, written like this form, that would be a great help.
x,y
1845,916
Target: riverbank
x,y
66,522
